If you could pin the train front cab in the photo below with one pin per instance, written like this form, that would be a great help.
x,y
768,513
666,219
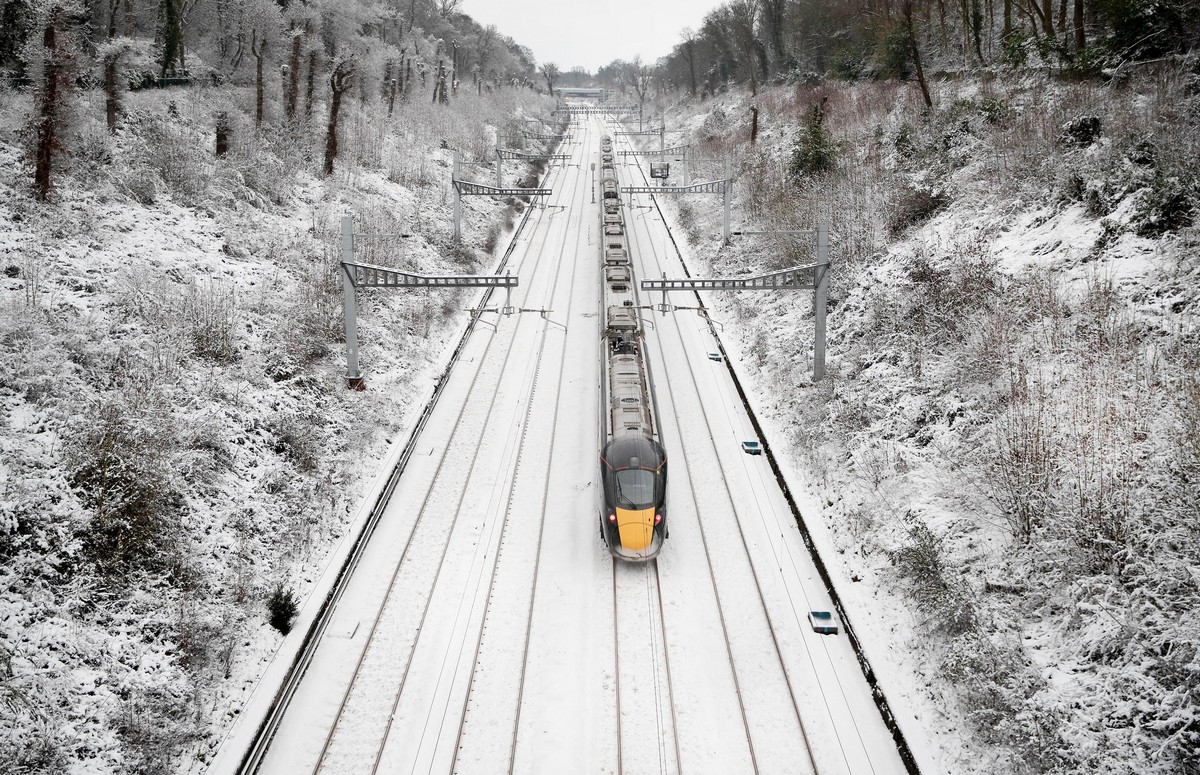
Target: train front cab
x,y
633,519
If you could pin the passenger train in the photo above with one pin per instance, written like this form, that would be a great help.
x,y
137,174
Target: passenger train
x,y
633,463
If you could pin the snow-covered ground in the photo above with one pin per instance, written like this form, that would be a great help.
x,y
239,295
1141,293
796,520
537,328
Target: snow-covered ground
x,y
1011,338
170,330
1000,470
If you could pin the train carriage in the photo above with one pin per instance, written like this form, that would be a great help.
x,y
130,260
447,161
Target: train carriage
x,y
633,463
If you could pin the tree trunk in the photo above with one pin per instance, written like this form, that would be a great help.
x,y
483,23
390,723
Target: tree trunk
x,y
1048,16
112,99
129,27
173,36
977,29
222,134
691,59
293,90
1080,41
310,86
259,50
916,52
339,81
753,124
48,107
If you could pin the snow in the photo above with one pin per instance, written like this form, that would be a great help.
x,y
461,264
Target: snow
x,y
1036,308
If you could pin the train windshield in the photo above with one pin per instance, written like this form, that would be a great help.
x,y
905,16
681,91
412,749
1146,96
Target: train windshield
x,y
636,487
635,473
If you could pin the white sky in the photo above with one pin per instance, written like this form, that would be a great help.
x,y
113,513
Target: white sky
x,y
586,32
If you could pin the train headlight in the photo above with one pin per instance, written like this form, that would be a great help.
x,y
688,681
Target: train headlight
x,y
612,518
658,519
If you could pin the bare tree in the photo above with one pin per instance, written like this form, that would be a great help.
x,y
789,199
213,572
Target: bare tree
x,y
258,47
486,40
314,61
293,85
744,17
109,54
171,13
551,73
340,81
447,7
639,76
688,37
774,14
50,109
907,11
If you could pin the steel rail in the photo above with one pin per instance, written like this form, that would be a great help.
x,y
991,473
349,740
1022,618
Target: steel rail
x,y
445,548
712,435
545,490
877,694
252,759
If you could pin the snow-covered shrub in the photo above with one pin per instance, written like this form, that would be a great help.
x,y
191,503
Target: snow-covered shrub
x,y
282,606
120,455
1026,457
175,150
153,724
996,689
492,239
913,204
211,312
686,218
297,438
30,750
944,602
813,152
1167,205
1080,131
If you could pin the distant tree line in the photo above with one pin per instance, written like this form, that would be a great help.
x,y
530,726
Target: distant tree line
x,y
751,42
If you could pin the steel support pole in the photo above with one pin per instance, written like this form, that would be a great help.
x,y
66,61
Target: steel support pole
x,y
662,136
820,301
350,306
457,200
728,189
499,168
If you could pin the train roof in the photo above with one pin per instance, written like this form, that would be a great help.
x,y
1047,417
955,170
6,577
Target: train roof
x,y
621,452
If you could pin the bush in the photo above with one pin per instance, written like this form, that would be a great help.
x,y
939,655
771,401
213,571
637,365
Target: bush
x,y
1080,131
920,561
119,464
1166,206
282,606
896,56
914,204
211,312
813,152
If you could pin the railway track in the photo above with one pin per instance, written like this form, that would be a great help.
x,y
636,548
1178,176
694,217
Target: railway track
x,y
490,631
782,590
422,553
512,587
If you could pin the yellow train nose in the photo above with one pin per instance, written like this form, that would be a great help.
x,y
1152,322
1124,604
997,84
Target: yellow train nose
x,y
636,528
